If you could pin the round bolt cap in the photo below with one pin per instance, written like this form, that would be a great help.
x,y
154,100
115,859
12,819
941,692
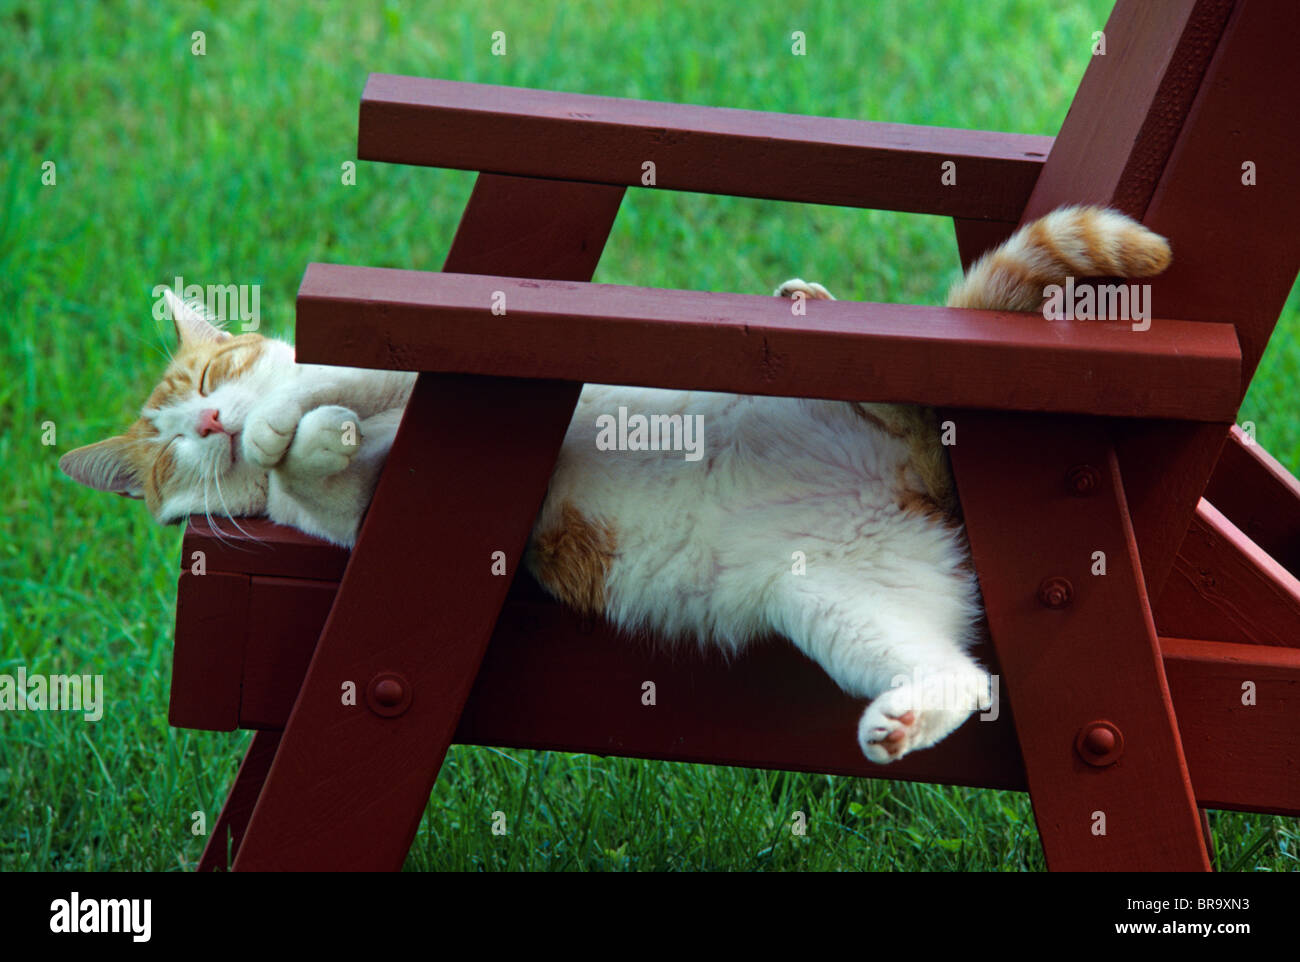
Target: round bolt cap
x,y
388,694
1099,740
1055,592
1082,480
1099,743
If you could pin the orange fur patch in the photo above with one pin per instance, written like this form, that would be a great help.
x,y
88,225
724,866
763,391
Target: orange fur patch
x,y
572,559
914,499
1022,287
205,365
876,421
230,360
1092,242
1147,255
198,364
1040,238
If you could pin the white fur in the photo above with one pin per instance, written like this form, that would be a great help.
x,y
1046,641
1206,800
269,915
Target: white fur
x,y
288,455
706,549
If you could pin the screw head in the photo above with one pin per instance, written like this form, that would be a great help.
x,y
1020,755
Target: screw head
x,y
1099,740
1082,480
388,694
1055,592
1099,743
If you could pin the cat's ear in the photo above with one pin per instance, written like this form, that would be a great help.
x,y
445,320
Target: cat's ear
x,y
104,466
193,326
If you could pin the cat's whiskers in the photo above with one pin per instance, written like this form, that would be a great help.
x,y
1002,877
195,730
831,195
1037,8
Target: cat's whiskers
x,y
207,513
216,480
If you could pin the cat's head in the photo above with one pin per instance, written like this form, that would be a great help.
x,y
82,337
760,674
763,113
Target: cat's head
x,y
183,455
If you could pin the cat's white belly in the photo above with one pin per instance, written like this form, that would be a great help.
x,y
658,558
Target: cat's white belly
x,y
783,494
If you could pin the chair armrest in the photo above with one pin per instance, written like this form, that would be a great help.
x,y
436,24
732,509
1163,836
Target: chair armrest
x,y
712,150
748,344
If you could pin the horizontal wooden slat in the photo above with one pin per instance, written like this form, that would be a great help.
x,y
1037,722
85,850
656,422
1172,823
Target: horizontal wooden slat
x,y
747,344
256,546
770,708
713,150
1260,496
1224,586
551,679
1242,741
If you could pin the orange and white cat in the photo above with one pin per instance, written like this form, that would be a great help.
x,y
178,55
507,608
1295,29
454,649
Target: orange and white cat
x,y
685,547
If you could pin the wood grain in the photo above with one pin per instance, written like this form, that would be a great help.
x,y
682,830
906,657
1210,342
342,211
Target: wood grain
x,y
1224,586
748,344
711,150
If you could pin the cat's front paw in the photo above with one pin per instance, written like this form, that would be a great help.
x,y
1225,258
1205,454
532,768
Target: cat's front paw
x,y
269,431
913,716
328,438
809,289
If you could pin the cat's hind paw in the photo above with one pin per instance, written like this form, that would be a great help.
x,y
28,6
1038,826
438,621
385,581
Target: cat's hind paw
x,y
809,289
269,432
911,717
328,438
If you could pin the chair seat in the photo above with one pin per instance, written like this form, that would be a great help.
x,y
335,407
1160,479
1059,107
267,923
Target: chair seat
x,y
553,680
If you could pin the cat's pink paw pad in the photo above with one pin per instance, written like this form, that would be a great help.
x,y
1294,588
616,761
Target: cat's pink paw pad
x,y
910,717
884,737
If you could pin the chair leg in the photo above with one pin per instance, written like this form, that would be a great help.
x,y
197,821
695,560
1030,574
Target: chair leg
x,y
1067,608
228,833
417,604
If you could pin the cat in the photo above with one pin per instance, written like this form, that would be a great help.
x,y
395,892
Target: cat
x,y
859,494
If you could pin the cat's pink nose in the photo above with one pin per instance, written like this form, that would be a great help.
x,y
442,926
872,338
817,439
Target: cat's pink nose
x,y
209,423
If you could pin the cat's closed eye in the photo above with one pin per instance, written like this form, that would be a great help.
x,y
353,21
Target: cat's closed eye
x,y
229,362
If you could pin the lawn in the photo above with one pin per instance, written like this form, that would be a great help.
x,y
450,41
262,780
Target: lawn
x,y
225,168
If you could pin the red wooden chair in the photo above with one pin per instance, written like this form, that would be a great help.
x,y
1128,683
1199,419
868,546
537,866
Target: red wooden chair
x,y
1072,439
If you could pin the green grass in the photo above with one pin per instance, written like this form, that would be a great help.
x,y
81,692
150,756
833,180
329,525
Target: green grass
x,y
226,169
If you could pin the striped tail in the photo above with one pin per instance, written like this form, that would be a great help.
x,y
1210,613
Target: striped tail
x,y
1073,242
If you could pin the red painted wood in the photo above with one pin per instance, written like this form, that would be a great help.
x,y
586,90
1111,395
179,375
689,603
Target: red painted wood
x,y
1166,466
1207,832
774,709
1115,143
1225,587
749,344
1134,158
262,548
1218,225
228,832
1097,658
521,227
551,681
1260,496
1241,756
445,502
1235,247
207,659
977,237
278,651
1113,149
712,150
